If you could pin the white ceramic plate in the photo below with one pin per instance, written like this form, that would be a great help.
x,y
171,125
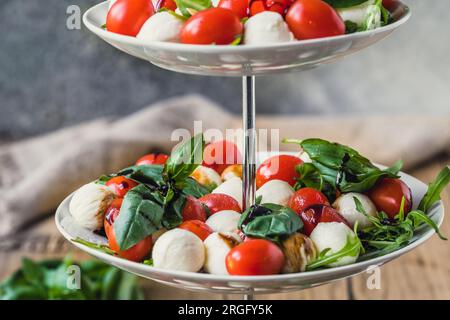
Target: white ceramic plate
x,y
241,60
246,284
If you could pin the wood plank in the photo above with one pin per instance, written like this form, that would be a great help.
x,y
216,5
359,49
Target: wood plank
x,y
421,274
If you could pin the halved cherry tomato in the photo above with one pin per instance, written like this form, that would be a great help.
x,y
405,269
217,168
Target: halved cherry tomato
x,y
280,167
167,4
121,185
387,196
311,19
197,227
239,7
193,210
255,257
280,6
211,26
219,155
318,213
137,252
306,197
127,16
152,158
216,202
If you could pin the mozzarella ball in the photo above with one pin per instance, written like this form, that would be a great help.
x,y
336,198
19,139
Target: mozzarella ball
x,y
224,221
366,14
231,187
232,171
333,235
162,26
299,251
207,177
89,203
275,191
217,246
179,250
346,206
267,27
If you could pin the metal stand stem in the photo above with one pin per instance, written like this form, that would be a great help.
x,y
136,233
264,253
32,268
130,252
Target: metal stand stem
x,y
249,161
249,164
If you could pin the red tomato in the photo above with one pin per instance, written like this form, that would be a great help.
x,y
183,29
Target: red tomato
x,y
281,167
197,227
318,213
306,197
216,202
310,19
280,6
220,154
193,210
387,196
211,26
127,16
168,4
137,252
239,7
121,185
255,257
152,158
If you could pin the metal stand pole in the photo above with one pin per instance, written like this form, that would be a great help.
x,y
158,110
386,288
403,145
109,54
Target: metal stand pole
x,y
249,164
249,161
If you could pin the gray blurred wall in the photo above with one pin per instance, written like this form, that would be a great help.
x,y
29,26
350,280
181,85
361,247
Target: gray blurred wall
x,y
51,77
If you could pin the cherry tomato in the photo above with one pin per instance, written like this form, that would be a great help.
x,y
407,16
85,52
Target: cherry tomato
x,y
220,154
211,26
137,252
306,197
318,213
387,196
216,202
121,185
167,4
280,6
197,227
280,167
193,210
311,19
239,7
152,158
255,257
127,16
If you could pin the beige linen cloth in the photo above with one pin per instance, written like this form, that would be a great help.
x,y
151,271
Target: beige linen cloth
x,y
38,173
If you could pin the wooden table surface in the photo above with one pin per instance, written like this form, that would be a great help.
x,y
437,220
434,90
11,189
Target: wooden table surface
x,y
421,274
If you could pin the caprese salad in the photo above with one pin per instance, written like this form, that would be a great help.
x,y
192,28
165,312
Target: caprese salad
x,y
249,22
327,206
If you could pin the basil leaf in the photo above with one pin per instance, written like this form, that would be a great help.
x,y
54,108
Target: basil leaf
x,y
140,215
197,5
191,187
173,212
350,27
148,173
435,189
344,3
269,221
185,159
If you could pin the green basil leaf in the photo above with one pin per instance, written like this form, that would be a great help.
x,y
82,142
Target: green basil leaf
x,y
173,212
140,215
269,221
338,4
148,173
191,187
350,27
185,159
197,5
435,189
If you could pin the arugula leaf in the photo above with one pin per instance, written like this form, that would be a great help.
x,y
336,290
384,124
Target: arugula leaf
x,y
336,167
185,159
140,215
269,221
339,4
197,5
435,189
100,247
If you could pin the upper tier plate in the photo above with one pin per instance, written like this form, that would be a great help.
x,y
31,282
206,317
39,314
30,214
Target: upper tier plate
x,y
245,60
